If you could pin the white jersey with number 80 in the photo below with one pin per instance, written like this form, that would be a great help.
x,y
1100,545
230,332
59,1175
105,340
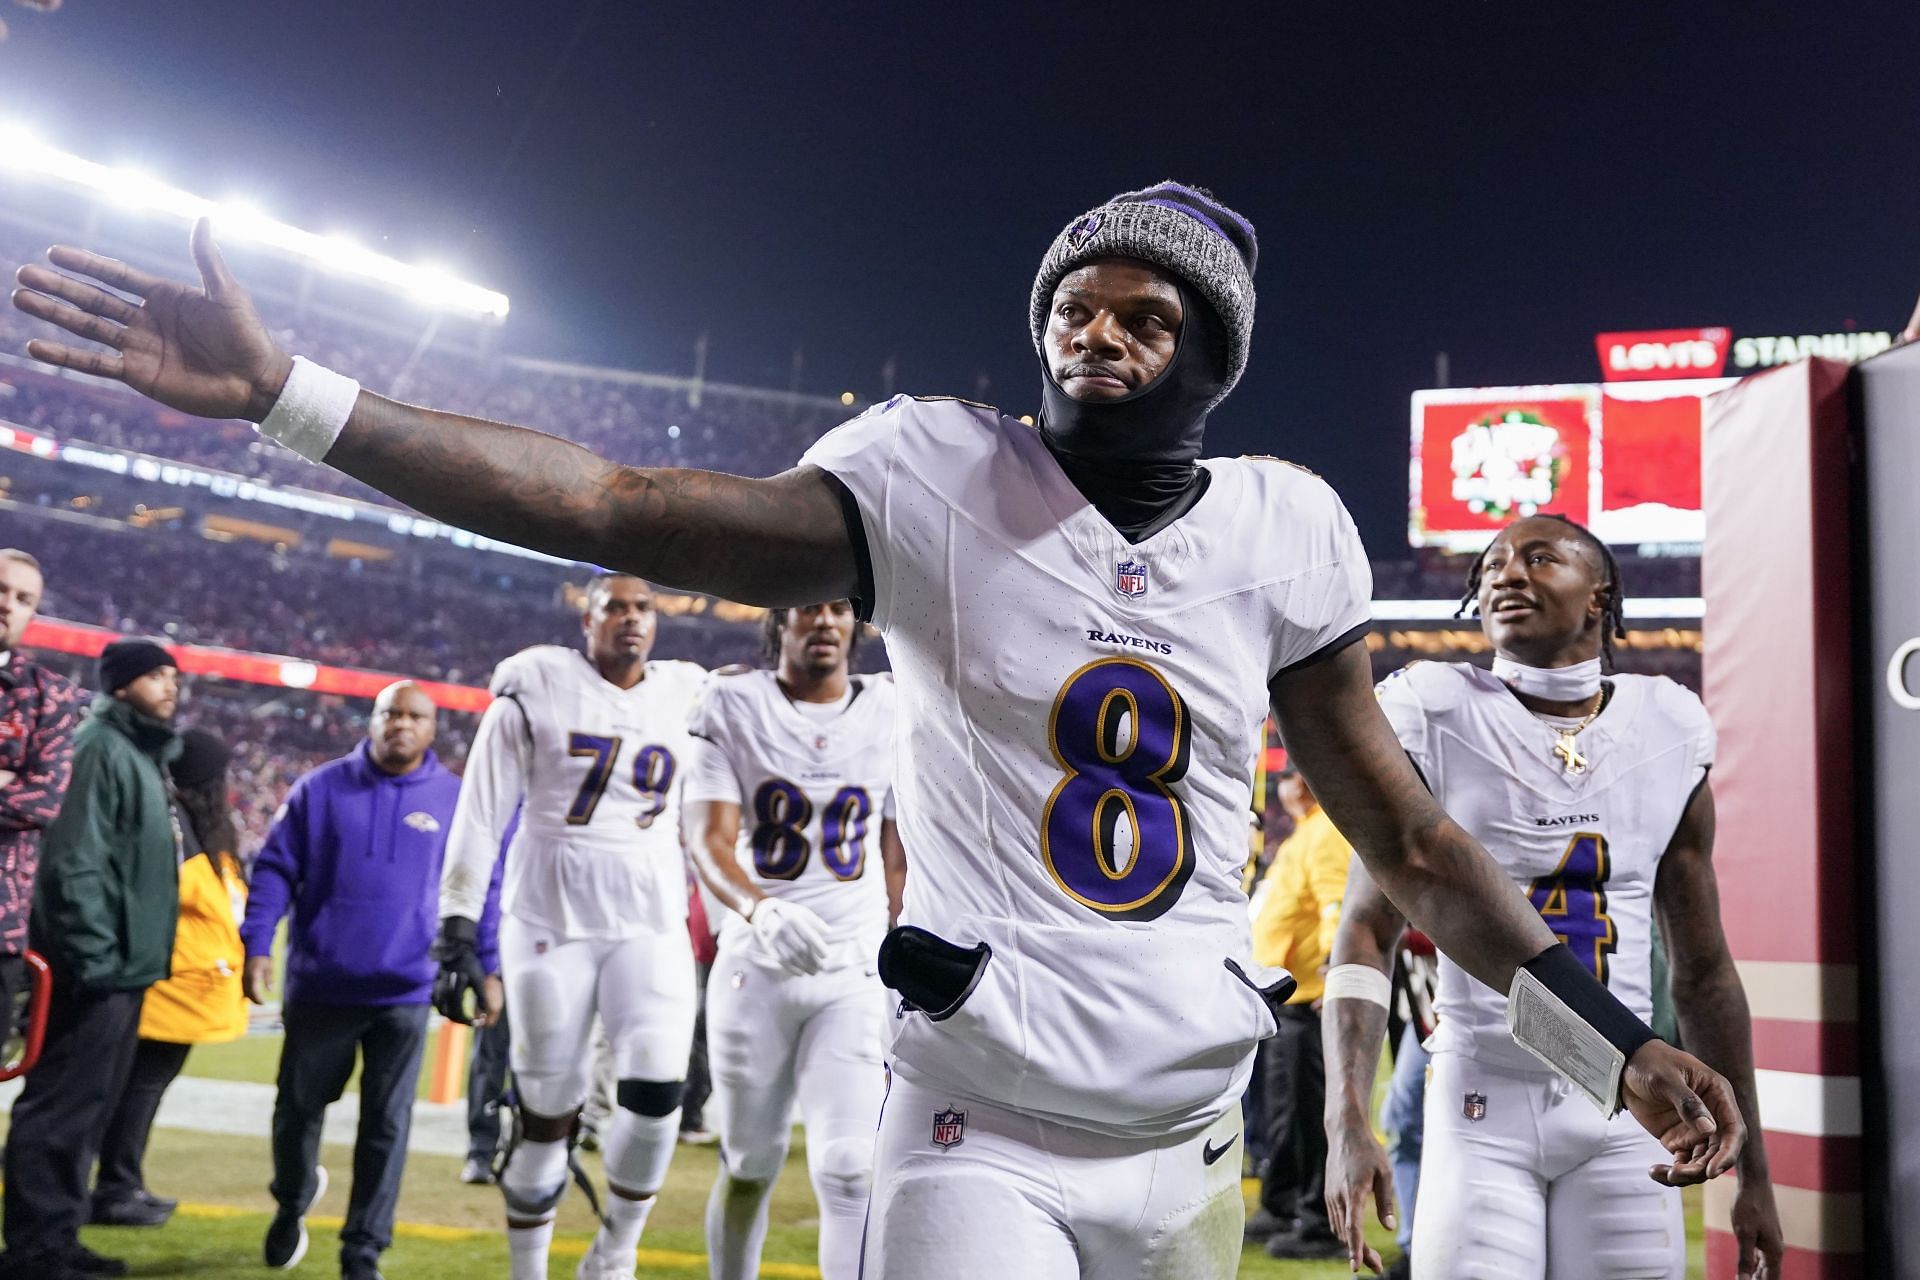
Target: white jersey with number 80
x,y
811,794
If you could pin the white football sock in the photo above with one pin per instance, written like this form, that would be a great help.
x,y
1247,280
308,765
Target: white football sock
x,y
527,1249
637,1149
737,1226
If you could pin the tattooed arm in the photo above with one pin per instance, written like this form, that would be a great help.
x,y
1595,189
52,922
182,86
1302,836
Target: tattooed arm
x,y
1431,869
205,351
1456,894
1712,1009
1357,1165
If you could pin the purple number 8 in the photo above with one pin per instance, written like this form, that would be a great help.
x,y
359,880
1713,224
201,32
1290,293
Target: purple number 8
x,y
1122,735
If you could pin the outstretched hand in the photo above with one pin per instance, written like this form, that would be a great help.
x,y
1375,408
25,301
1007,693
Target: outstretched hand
x,y
1688,1106
202,351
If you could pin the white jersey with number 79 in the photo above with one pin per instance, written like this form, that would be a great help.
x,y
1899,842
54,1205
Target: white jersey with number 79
x,y
597,854
1079,719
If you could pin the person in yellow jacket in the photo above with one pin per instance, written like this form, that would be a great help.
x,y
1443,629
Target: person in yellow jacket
x,y
1296,908
200,1002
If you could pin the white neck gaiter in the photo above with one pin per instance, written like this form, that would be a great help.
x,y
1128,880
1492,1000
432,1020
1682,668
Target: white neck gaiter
x,y
1556,684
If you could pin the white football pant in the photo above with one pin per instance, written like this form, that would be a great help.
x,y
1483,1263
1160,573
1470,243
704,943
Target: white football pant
x,y
965,1190
1540,1187
643,988
774,1039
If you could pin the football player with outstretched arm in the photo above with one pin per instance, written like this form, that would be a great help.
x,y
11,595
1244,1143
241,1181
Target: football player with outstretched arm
x,y
587,746
1087,623
784,801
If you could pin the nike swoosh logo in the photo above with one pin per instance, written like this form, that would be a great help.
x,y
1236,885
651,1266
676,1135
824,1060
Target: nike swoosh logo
x,y
1210,1153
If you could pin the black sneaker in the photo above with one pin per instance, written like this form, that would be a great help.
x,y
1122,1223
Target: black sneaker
x,y
1262,1225
165,1202
130,1211
1305,1245
88,1263
360,1269
286,1241
15,1265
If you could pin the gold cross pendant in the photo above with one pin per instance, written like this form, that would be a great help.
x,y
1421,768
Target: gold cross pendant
x,y
1570,757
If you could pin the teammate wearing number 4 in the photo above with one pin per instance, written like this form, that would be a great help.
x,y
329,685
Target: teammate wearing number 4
x,y
785,789
593,910
1087,625
1593,796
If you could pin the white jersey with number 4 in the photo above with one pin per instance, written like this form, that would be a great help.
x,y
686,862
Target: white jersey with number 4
x,y
1079,719
811,791
1585,847
597,854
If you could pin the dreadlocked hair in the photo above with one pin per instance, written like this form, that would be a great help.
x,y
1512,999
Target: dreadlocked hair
x,y
1615,625
770,626
770,635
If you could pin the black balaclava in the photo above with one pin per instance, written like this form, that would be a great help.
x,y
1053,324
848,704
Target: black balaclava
x,y
1136,459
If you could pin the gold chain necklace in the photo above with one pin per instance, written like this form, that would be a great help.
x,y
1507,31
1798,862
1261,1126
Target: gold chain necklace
x,y
1570,758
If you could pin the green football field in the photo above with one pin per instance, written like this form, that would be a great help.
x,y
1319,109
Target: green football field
x,y
449,1231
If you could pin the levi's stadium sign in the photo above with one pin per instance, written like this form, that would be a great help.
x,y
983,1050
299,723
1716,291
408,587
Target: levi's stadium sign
x,y
1663,353
1650,354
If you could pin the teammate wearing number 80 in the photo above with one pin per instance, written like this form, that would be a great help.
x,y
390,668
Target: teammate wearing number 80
x,y
786,783
593,908
1593,796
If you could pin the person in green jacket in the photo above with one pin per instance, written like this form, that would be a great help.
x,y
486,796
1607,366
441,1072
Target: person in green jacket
x,y
104,909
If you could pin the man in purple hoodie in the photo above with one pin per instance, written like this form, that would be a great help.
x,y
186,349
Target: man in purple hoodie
x,y
355,856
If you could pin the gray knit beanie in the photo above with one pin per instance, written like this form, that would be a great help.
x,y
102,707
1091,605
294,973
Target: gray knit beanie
x,y
1180,228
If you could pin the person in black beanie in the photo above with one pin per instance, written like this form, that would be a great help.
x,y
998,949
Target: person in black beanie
x,y
1093,622
104,909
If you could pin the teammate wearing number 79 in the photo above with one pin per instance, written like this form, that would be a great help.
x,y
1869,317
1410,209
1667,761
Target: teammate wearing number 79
x,y
783,803
1593,795
1087,623
593,909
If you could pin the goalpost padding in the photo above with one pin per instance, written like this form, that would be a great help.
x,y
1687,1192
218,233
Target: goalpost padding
x,y
1888,696
1778,585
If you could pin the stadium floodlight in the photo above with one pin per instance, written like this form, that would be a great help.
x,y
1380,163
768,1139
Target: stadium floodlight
x,y
24,153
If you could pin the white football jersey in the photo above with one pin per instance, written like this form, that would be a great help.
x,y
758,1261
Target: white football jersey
x,y
1584,847
598,851
812,794
1079,719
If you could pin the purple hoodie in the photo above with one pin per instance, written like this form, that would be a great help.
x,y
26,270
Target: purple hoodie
x,y
356,854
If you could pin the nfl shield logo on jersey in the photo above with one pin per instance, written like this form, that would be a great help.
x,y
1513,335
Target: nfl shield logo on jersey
x,y
1475,1107
949,1128
1130,579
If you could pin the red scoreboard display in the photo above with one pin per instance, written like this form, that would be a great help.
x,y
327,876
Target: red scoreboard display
x,y
1622,458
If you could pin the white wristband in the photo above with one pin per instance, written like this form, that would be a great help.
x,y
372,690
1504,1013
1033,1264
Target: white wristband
x,y
1359,982
312,409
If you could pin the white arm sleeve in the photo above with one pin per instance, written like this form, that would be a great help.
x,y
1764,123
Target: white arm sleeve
x,y
861,455
709,775
490,791
1400,699
1330,604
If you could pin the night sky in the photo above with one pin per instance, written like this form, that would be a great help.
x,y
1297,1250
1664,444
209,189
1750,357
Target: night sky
x,y
1498,181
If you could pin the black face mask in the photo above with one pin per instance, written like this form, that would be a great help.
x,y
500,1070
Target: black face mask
x,y
1136,458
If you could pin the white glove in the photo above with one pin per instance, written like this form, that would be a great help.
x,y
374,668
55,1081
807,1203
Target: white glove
x,y
795,935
